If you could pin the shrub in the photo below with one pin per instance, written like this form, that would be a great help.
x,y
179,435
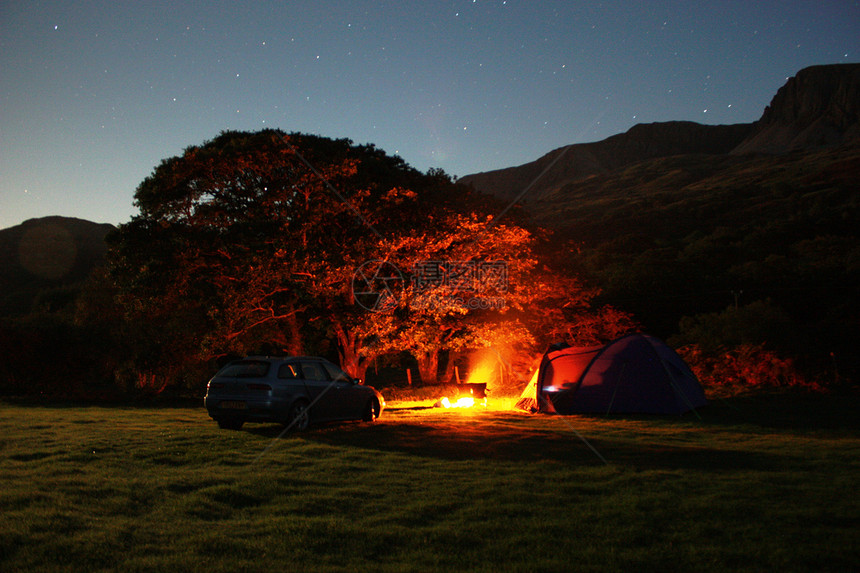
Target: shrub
x,y
743,369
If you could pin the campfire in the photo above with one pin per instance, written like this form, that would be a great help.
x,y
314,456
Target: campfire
x,y
468,396
472,393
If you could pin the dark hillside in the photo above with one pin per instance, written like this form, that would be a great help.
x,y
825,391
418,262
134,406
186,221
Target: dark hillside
x,y
670,198
47,257
688,235
581,161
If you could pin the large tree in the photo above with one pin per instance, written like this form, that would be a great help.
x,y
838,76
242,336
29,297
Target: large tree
x,y
252,238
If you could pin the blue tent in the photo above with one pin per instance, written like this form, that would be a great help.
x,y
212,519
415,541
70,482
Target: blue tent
x,y
634,374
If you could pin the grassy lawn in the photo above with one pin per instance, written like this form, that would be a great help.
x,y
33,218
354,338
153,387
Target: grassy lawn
x,y
758,484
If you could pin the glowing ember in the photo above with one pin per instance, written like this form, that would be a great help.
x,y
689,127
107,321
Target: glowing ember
x,y
463,402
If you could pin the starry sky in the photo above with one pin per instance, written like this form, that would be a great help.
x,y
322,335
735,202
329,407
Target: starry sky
x,y
94,94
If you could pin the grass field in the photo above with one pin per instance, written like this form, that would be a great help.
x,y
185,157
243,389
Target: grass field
x,y
756,484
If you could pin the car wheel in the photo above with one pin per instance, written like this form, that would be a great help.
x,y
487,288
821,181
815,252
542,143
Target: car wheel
x,y
300,416
371,411
230,424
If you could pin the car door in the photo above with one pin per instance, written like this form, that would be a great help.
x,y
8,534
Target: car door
x,y
349,396
320,390
290,384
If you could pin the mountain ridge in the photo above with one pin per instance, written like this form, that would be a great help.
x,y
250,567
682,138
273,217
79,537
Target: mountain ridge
x,y
816,108
47,253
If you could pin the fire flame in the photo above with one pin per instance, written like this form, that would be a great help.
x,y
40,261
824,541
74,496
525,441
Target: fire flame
x,y
464,402
483,374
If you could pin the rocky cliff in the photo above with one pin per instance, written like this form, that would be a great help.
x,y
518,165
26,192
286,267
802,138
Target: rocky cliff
x,y
819,107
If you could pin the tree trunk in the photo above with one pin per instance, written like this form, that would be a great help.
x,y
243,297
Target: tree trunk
x,y
295,345
448,377
349,352
428,366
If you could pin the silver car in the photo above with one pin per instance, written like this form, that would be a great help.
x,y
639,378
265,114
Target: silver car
x,y
293,390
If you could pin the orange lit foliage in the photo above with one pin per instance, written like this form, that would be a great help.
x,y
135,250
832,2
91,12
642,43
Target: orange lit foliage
x,y
455,316
561,312
534,306
250,241
742,369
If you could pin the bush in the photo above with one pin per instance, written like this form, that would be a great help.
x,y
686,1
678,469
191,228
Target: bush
x,y
743,369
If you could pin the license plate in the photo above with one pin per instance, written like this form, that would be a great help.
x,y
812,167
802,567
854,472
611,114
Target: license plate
x,y
233,405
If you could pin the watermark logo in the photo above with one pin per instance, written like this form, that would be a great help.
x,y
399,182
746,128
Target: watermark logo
x,y
377,286
461,276
447,286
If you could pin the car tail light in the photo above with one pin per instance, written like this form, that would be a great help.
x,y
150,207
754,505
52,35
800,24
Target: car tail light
x,y
259,387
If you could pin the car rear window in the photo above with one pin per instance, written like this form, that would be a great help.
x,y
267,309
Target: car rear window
x,y
246,369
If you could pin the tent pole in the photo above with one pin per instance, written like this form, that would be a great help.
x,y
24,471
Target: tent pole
x,y
677,389
617,384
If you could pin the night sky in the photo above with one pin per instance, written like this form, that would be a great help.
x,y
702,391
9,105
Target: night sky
x,y
93,95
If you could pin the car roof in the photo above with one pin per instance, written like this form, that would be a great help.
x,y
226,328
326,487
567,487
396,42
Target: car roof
x,y
285,358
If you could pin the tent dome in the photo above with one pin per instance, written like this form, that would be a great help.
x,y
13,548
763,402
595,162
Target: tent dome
x,y
633,374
